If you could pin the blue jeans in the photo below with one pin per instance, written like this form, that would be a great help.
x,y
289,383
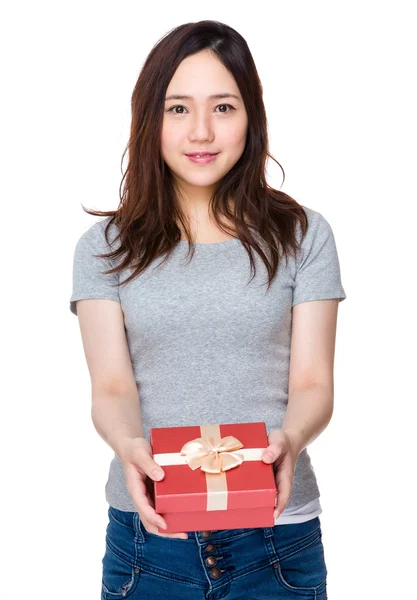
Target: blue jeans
x,y
285,562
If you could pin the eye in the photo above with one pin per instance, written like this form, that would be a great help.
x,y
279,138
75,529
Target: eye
x,y
229,105
172,109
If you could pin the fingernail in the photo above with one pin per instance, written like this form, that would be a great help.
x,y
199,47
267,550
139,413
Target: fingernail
x,y
158,473
267,455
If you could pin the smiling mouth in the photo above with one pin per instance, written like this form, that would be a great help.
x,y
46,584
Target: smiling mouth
x,y
201,154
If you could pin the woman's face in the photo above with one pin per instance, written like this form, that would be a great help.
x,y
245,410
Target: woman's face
x,y
201,123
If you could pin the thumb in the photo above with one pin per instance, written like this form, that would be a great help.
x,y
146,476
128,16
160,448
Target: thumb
x,y
269,454
152,469
155,471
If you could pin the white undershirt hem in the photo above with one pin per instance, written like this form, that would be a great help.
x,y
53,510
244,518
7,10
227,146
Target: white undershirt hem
x,y
300,515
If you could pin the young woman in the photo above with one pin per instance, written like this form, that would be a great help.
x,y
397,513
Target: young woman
x,y
243,330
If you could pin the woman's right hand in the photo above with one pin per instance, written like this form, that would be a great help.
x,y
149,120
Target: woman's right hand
x,y
138,466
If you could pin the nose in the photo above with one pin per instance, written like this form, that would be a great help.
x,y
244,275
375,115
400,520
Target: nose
x,y
201,128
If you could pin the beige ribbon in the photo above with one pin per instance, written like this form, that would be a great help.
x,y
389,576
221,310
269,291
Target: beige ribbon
x,y
214,455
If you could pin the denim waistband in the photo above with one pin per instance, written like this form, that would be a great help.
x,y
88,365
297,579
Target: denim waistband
x,y
286,532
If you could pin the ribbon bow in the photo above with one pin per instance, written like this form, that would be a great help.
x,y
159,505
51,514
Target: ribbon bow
x,y
212,457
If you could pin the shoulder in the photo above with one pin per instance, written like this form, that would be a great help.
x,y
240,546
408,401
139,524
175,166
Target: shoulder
x,y
318,239
94,236
318,226
315,219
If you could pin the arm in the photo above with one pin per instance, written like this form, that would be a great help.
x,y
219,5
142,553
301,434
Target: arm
x,y
311,388
115,407
308,414
310,391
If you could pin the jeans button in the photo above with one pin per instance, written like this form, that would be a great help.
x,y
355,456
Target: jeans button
x,y
210,548
215,573
211,561
205,534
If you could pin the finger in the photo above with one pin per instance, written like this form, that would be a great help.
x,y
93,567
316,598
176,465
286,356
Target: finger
x,y
151,468
270,453
142,455
137,490
182,536
273,454
152,529
284,487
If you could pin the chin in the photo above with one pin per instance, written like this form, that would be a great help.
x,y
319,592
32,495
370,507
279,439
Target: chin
x,y
202,179
202,182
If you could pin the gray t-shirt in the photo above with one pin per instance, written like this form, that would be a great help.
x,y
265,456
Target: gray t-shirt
x,y
206,346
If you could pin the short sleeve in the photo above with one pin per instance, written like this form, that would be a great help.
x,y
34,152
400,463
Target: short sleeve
x,y
88,280
318,274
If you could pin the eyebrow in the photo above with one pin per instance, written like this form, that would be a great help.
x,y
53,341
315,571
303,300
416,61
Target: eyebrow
x,y
212,97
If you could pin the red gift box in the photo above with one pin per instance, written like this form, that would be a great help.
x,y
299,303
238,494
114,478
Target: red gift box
x,y
214,477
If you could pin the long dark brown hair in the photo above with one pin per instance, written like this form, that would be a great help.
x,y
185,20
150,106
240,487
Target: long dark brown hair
x,y
148,213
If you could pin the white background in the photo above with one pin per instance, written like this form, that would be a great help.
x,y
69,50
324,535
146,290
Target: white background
x,y
338,87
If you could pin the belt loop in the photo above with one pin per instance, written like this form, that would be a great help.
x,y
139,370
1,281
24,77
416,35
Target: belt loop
x,y
268,532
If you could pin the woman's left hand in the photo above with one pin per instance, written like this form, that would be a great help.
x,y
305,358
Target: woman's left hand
x,y
283,455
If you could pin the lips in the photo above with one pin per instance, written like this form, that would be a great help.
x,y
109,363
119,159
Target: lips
x,y
202,154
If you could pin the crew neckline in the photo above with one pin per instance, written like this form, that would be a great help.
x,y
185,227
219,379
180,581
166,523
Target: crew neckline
x,y
212,244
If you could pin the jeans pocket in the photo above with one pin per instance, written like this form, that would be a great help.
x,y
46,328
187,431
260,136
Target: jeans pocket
x,y
120,578
122,558
301,568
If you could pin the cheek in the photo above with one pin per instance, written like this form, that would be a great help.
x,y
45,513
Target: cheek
x,y
236,143
170,139
235,138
